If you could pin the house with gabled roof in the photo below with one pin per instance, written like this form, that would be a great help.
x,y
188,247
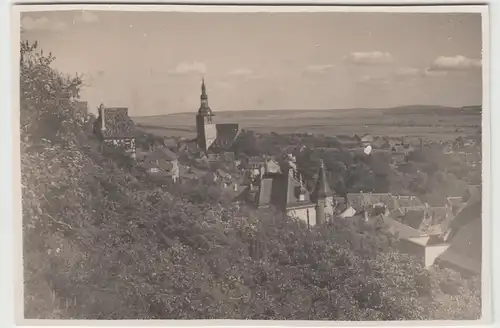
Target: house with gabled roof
x,y
160,162
285,191
366,140
113,126
454,242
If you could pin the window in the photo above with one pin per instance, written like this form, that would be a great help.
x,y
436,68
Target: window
x,y
154,170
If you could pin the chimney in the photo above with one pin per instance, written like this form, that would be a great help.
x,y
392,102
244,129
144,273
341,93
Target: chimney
x,y
101,113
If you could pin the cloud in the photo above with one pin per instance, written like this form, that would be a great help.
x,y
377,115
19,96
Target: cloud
x,y
190,67
369,58
318,69
86,17
455,63
241,72
41,24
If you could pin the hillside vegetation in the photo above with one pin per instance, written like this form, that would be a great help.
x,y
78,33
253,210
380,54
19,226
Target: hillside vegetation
x,y
100,241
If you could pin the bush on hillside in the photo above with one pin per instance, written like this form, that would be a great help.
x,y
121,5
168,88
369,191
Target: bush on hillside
x,y
102,243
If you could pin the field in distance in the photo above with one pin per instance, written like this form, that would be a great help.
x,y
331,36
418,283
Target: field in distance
x,y
440,123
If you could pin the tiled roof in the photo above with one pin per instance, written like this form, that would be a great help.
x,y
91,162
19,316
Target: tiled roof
x,y
362,200
117,123
403,231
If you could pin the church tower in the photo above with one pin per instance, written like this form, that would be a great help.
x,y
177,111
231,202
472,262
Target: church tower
x,y
205,128
322,196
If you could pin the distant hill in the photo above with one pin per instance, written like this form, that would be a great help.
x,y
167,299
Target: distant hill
x,y
418,120
410,109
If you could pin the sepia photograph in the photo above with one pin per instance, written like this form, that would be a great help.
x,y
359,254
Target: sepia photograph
x,y
252,163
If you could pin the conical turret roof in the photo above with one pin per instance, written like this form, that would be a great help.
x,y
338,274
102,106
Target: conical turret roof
x,y
321,189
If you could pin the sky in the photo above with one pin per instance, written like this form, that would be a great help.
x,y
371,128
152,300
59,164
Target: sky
x,y
153,62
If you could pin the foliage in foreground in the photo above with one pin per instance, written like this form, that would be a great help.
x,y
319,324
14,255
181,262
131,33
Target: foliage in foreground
x,y
102,243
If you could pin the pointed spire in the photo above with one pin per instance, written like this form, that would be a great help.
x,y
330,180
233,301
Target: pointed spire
x,y
322,189
204,107
203,88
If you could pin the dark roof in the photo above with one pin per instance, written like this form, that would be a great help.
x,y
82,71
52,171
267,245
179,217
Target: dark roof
x,y
414,219
282,190
244,196
322,189
117,123
465,249
265,192
226,135
469,214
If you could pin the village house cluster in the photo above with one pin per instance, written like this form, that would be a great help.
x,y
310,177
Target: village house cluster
x,y
450,233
